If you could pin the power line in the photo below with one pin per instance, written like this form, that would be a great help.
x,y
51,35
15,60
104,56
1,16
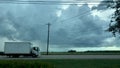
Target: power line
x,y
55,2
58,1
75,16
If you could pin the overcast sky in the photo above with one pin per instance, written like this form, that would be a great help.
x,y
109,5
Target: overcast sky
x,y
80,26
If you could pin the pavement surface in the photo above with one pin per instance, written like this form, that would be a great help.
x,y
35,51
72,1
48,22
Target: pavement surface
x,y
64,57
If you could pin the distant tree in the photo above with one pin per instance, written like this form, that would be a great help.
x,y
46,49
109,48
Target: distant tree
x,y
114,25
72,51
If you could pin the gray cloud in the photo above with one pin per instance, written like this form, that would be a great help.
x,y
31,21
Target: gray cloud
x,y
82,31
8,0
28,23
105,4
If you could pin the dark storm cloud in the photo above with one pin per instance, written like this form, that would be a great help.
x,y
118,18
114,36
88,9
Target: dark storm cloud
x,y
6,28
82,31
28,23
105,4
32,25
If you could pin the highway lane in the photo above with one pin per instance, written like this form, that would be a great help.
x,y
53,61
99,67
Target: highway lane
x,y
65,57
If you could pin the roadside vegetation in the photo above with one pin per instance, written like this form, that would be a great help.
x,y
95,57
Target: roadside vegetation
x,y
61,63
84,53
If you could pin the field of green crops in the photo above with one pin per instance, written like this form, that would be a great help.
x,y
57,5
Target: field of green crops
x,y
24,64
61,63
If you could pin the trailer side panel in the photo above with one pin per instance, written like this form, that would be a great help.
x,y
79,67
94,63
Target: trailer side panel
x,y
17,48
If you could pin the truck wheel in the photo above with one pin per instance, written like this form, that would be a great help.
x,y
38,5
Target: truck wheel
x,y
15,56
34,56
9,56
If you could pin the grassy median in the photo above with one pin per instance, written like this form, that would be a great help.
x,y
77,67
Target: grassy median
x,y
61,63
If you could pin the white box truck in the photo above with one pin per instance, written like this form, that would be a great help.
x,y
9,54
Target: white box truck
x,y
17,49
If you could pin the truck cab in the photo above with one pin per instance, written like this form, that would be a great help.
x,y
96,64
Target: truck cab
x,y
35,52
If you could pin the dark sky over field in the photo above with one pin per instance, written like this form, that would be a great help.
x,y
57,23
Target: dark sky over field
x,y
75,25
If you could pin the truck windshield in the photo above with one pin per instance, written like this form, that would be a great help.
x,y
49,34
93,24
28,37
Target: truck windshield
x,y
36,48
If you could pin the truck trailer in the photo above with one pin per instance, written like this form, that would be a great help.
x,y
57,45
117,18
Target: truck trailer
x,y
17,49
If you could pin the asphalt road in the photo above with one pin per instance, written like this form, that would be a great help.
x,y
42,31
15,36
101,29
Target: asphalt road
x,y
65,57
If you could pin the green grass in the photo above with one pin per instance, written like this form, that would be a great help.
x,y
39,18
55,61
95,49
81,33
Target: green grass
x,y
89,63
24,64
61,63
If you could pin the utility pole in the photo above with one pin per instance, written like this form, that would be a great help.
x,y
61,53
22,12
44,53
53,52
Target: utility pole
x,y
48,37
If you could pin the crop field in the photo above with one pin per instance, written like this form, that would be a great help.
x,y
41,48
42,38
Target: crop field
x,y
24,64
61,63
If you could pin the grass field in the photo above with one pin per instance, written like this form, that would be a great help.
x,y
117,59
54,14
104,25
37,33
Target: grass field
x,y
85,63
61,63
24,64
